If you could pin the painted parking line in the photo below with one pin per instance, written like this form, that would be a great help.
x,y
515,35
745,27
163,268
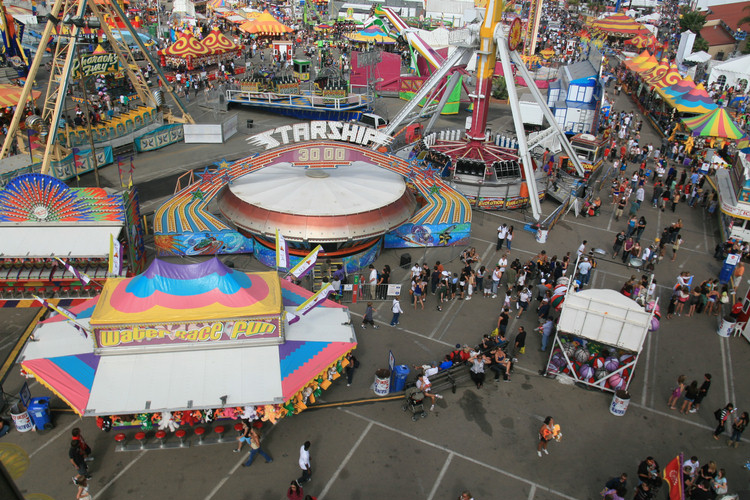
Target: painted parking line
x,y
343,463
436,484
53,438
461,455
119,475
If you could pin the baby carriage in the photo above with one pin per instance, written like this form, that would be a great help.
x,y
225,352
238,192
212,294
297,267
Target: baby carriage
x,y
414,402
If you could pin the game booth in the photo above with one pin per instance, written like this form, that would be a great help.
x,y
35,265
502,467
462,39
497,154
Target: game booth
x,y
188,344
58,241
599,337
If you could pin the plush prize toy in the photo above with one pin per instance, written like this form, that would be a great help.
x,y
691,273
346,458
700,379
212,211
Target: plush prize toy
x,y
167,422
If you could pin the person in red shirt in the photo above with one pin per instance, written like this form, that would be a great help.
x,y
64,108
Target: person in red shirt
x,y
85,449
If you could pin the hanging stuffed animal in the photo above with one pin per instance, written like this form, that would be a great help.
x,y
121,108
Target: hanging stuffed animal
x,y
306,393
167,422
145,420
249,413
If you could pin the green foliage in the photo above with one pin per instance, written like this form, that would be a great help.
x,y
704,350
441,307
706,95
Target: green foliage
x,y
499,88
692,20
700,44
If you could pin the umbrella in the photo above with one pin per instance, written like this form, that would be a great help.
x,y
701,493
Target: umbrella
x,y
547,53
695,101
620,25
10,95
371,34
716,123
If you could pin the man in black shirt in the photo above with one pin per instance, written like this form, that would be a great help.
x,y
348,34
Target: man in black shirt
x,y
78,460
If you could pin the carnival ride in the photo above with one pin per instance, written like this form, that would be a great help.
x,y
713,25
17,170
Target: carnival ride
x,y
484,166
78,15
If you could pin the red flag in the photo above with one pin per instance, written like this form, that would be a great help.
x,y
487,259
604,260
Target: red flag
x,y
672,474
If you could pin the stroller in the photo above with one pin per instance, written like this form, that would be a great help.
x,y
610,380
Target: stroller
x,y
414,402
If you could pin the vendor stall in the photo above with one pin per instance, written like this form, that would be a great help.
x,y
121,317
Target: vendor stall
x,y
599,337
54,238
187,51
180,339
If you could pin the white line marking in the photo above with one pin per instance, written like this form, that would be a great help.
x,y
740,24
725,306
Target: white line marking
x,y
120,474
645,371
345,461
460,455
722,348
532,492
733,396
49,441
439,479
386,323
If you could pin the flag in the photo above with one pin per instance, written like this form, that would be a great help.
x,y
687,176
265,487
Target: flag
x,y
316,299
672,474
83,277
115,255
282,252
64,312
291,318
306,264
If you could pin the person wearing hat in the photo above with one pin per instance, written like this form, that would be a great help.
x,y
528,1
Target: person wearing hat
x,y
583,271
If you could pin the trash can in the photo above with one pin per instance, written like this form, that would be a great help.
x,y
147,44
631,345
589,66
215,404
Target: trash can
x,y
21,418
249,124
620,402
39,412
400,373
382,383
541,234
726,327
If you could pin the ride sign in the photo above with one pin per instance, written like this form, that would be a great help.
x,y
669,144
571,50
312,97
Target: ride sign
x,y
95,64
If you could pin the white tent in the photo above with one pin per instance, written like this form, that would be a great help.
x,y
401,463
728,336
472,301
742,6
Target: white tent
x,y
698,57
735,72
603,331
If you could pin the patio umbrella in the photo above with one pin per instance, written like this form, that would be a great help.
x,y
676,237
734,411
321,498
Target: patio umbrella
x,y
371,34
695,101
620,25
10,95
716,123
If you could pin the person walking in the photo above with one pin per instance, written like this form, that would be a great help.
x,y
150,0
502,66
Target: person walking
x,y
738,427
545,434
617,245
702,391
349,370
676,246
547,329
304,463
367,318
85,448
255,449
396,310
244,436
676,392
502,233
722,415
83,488
78,460
295,492
519,344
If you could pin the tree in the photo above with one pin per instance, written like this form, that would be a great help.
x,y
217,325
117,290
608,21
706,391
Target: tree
x,y
744,20
499,88
700,44
692,20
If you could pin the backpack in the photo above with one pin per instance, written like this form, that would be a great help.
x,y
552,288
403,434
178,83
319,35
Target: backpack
x,y
717,413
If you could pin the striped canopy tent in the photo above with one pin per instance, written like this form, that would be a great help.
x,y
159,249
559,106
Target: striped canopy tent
x,y
685,85
695,101
323,27
186,49
633,62
655,71
10,95
646,65
621,26
371,34
218,43
671,77
265,24
716,123
215,4
744,144
641,41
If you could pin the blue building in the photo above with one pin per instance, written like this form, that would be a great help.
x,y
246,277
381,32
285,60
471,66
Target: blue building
x,y
575,97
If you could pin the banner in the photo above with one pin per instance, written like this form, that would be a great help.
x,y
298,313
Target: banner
x,y
319,297
672,474
65,313
115,255
159,138
82,277
82,162
95,64
306,264
183,333
282,252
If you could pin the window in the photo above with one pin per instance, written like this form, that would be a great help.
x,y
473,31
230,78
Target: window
x,y
721,80
554,95
506,169
741,85
560,116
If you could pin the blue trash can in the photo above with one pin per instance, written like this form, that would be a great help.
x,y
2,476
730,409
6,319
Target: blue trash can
x,y
400,373
39,413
